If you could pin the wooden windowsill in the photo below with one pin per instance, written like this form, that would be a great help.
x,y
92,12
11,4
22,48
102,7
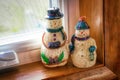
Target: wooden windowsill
x,y
101,73
36,71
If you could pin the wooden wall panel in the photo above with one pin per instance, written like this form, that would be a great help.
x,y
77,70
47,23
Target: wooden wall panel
x,y
93,10
73,15
112,34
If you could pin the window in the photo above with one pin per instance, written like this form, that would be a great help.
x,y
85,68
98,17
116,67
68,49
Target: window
x,y
21,16
22,20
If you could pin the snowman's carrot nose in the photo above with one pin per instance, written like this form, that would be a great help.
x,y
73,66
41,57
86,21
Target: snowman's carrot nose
x,y
82,18
81,32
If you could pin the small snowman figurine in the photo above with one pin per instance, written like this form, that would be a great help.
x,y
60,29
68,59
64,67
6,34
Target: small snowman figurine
x,y
54,50
83,47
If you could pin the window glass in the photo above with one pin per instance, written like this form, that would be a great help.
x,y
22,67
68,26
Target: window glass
x,y
22,16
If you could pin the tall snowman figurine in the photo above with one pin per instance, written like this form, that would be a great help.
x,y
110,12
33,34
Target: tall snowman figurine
x,y
54,51
83,47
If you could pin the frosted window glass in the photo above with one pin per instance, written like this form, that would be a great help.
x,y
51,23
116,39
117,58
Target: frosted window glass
x,y
22,16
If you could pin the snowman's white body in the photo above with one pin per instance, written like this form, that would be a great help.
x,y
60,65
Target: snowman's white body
x,y
49,37
80,56
52,37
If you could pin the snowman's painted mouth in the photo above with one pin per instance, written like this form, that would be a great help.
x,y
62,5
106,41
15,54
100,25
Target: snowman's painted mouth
x,y
82,35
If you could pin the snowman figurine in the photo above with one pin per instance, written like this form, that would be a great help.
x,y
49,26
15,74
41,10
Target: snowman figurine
x,y
54,50
83,47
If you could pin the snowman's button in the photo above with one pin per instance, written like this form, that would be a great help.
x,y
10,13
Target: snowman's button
x,y
82,55
54,35
54,39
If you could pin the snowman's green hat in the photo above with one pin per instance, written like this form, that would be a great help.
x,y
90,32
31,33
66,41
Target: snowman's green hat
x,y
82,24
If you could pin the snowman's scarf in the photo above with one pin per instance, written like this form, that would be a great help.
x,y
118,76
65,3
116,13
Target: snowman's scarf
x,y
57,30
82,39
72,45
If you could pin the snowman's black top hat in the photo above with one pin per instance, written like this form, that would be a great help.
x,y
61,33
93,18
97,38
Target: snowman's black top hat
x,y
54,13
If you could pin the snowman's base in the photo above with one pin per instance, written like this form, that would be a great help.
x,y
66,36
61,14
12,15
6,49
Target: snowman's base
x,y
84,66
54,54
56,65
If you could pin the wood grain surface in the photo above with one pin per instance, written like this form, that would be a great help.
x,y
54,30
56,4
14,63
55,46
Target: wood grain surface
x,y
73,16
36,71
112,35
102,73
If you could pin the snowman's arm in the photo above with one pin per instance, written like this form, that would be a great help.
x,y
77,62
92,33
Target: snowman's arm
x,y
93,47
73,39
91,50
71,46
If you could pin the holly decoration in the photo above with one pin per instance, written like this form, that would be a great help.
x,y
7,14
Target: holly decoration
x,y
61,57
45,58
50,60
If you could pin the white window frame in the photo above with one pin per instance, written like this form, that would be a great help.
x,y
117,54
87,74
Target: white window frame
x,y
22,45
